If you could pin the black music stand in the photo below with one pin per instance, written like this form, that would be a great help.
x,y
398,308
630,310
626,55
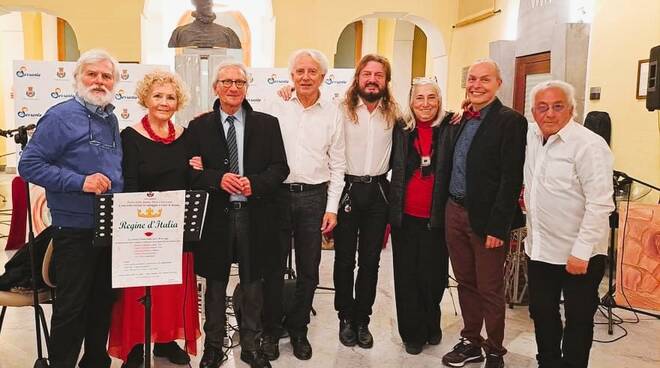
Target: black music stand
x,y
196,201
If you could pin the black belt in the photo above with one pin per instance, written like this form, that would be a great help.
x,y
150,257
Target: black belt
x,y
458,200
237,205
366,179
302,187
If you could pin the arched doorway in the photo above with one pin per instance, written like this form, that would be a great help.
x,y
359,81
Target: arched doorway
x,y
413,45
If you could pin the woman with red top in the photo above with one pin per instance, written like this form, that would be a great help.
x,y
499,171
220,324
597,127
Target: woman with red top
x,y
418,239
156,159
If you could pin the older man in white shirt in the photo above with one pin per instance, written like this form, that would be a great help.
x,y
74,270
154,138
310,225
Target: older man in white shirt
x,y
314,142
568,195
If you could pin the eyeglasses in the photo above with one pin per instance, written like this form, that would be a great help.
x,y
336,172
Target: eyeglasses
x,y
543,108
424,80
227,83
94,142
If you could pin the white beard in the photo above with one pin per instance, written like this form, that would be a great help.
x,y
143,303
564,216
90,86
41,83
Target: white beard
x,y
90,97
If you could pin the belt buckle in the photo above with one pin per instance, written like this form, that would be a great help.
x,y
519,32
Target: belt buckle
x,y
237,205
296,187
367,179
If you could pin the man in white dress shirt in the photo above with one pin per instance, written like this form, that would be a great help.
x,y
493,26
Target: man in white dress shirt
x,y
369,114
568,196
314,142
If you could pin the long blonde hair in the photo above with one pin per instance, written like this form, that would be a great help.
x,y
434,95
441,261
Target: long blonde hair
x,y
389,106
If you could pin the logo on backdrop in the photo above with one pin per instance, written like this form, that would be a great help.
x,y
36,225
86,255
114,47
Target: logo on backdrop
x,y
274,80
250,78
23,72
23,112
121,95
124,114
60,72
330,80
124,74
29,92
57,93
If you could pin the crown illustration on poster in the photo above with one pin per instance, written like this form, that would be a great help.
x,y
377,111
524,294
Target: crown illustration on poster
x,y
150,213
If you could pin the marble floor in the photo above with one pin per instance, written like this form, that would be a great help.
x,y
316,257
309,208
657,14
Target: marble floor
x,y
639,349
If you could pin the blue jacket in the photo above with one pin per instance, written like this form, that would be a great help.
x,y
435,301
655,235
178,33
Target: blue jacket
x,y
71,142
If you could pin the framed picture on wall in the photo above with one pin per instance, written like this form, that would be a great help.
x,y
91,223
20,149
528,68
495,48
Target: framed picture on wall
x,y
642,78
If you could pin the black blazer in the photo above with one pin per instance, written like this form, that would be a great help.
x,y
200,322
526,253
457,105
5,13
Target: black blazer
x,y
264,164
494,171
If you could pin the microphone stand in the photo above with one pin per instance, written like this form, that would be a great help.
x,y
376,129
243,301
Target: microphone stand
x,y
620,180
21,137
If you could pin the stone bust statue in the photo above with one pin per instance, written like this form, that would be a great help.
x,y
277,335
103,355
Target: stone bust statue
x,y
202,32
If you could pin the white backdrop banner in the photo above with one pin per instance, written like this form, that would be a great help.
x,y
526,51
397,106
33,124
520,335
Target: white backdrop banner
x,y
38,85
264,83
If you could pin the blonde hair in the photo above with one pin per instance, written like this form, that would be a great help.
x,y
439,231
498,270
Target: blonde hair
x,y
409,119
390,107
145,85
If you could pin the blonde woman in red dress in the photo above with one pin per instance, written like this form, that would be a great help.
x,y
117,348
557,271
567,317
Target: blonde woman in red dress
x,y
156,159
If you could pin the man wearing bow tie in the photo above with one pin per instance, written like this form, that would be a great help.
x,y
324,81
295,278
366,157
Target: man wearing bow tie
x,y
484,178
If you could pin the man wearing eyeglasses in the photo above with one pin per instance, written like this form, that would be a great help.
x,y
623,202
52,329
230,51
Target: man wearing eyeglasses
x,y
244,164
568,197
308,200
74,154
482,183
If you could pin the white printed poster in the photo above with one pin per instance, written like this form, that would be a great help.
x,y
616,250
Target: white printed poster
x,y
147,238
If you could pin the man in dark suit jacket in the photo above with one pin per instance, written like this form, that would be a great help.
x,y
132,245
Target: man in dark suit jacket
x,y
244,164
483,181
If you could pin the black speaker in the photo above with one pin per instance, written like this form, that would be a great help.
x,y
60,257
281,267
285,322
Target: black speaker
x,y
600,123
653,87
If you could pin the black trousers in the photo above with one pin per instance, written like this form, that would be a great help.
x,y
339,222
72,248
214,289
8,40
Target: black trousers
x,y
564,345
300,214
251,300
421,273
83,305
361,230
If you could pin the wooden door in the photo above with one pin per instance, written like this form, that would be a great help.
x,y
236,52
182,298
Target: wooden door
x,y
530,70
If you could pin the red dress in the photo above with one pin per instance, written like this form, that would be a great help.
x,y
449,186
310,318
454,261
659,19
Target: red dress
x,y
154,166
173,315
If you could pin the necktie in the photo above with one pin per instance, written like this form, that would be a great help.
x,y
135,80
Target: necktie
x,y
231,144
471,114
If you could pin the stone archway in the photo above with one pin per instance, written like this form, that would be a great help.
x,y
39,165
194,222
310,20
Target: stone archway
x,y
436,55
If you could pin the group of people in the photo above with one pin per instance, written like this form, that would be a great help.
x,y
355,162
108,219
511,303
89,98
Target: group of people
x,y
308,167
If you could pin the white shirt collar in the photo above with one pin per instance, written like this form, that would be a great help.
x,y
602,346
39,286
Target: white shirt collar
x,y
565,133
322,102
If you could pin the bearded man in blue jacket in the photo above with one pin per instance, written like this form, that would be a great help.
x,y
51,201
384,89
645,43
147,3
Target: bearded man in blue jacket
x,y
74,154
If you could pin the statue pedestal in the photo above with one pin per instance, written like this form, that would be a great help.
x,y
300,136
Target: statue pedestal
x,y
196,66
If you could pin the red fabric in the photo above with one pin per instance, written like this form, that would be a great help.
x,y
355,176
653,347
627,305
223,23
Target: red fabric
x,y
174,315
16,238
471,114
419,191
386,238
